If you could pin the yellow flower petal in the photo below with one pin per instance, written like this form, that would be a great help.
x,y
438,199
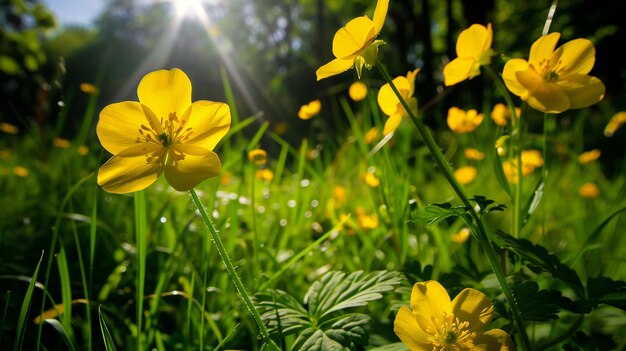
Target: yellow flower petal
x,y
473,41
392,123
334,67
459,70
165,92
128,171
257,156
387,99
474,307
549,99
589,156
430,299
209,122
406,328
582,90
493,340
575,57
543,48
119,125
352,38
197,165
9,128
379,14
509,75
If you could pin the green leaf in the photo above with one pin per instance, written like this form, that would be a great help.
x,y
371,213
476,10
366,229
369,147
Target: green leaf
x,y
396,346
540,259
606,290
340,335
21,325
500,177
315,340
106,335
538,305
434,213
281,313
336,291
533,202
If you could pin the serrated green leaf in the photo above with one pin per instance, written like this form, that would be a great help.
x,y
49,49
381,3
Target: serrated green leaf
x,y
315,340
538,305
281,313
396,346
539,258
435,213
606,290
349,328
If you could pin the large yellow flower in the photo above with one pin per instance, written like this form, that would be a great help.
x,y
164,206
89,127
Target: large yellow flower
x,y
473,49
391,105
162,133
553,81
435,323
354,44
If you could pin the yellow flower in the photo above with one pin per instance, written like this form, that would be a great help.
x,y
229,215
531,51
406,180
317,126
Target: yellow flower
x,y
265,174
461,121
473,154
61,143
339,194
89,89
309,110
354,44
501,114
553,81
162,133
589,156
465,174
435,323
226,178
9,128
83,150
531,159
357,91
473,49
5,154
614,123
391,105
461,236
371,180
589,191
371,135
21,171
258,156
368,221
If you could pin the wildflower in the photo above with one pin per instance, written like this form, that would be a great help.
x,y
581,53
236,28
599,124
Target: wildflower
x,y
461,236
339,194
614,123
265,174
21,171
371,180
280,128
461,121
257,156
371,135
354,44
553,81
473,154
589,156
357,91
473,49
226,178
162,133
368,221
61,143
309,110
391,105
501,114
83,150
9,128
465,174
89,89
531,160
5,154
435,323
589,190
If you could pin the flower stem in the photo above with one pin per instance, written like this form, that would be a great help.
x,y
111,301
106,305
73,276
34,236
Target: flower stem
x,y
479,230
230,268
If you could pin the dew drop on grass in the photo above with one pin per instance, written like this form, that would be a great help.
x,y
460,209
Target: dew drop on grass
x,y
305,183
283,222
163,219
308,214
291,203
261,209
314,203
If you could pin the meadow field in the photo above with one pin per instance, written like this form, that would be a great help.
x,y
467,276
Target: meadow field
x,y
154,211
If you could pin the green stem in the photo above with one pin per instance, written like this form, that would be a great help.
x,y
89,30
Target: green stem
x,y
566,334
141,238
479,231
230,268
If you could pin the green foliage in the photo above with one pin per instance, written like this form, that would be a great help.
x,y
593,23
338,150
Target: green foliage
x,y
318,323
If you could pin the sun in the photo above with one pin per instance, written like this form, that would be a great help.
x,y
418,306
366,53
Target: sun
x,y
187,8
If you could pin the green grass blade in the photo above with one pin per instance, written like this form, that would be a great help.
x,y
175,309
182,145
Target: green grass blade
x,y
21,321
106,335
141,232
58,326
4,314
66,290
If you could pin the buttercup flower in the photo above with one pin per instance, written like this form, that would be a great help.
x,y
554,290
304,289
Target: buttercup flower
x,y
264,174
553,81
257,156
354,44
21,171
309,110
357,91
162,133
465,174
461,121
9,128
589,191
391,105
61,143
473,49
531,159
89,89
473,154
614,123
589,156
371,180
435,323
501,115
461,236
371,135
